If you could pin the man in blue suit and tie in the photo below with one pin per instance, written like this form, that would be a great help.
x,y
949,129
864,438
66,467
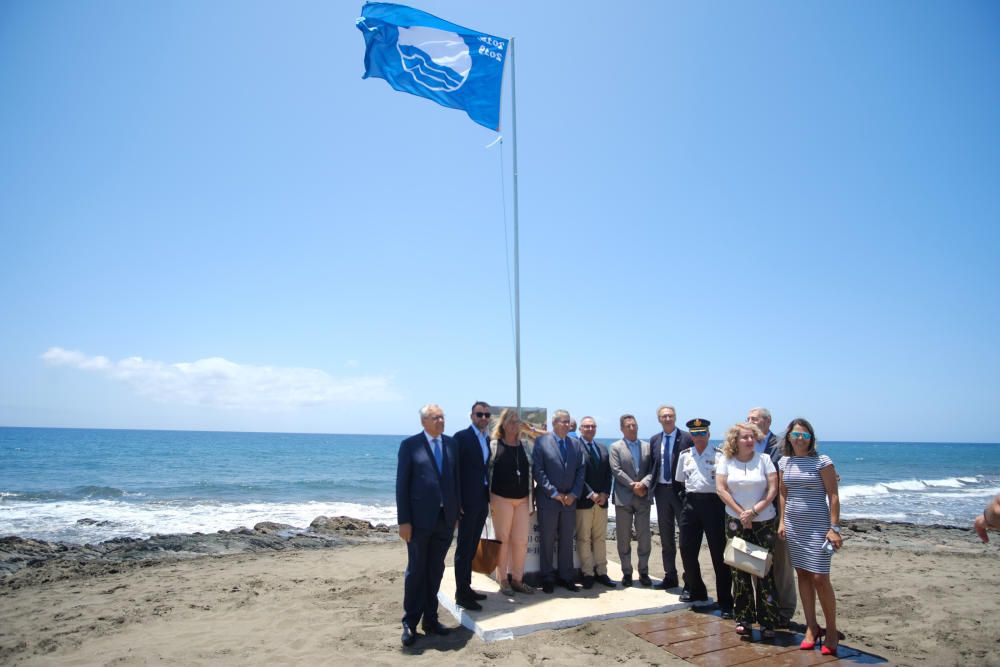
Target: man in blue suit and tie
x,y
558,468
427,510
473,446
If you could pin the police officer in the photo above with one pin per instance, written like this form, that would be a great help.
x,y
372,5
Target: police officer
x,y
702,513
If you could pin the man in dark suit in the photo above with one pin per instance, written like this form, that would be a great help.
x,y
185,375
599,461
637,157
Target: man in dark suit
x,y
427,510
667,446
592,508
558,468
781,565
473,446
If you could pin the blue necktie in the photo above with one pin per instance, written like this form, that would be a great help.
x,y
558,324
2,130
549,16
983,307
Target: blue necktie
x,y
437,452
562,449
594,454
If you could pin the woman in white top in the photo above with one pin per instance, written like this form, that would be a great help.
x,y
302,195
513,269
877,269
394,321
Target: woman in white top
x,y
747,483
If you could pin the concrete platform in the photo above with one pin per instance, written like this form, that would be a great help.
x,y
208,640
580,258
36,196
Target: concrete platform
x,y
506,618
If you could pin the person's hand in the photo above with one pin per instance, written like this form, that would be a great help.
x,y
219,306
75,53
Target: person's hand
x,y
835,539
602,499
746,521
979,525
781,530
405,531
570,499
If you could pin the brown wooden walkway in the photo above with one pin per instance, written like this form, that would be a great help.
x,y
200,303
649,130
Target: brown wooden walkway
x,y
705,639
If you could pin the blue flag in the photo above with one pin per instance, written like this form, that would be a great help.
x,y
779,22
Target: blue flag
x,y
421,54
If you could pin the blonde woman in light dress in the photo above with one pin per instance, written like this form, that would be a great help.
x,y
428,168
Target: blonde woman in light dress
x,y
747,483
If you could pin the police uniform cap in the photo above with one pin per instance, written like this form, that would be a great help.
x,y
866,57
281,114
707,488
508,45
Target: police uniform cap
x,y
698,426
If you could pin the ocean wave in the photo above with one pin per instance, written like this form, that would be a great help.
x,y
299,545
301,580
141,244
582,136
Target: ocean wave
x,y
973,485
111,518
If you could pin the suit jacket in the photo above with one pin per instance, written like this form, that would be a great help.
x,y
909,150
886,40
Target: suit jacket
x,y
681,442
596,476
773,448
624,470
421,492
472,470
554,475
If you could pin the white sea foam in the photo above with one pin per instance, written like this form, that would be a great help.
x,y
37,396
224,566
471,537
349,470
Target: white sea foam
x,y
58,520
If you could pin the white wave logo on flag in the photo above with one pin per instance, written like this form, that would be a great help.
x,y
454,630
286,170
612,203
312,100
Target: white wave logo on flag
x,y
437,59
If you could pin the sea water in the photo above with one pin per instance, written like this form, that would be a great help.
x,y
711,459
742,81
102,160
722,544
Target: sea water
x,y
140,483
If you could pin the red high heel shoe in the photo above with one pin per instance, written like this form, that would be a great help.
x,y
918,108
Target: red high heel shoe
x,y
826,650
817,637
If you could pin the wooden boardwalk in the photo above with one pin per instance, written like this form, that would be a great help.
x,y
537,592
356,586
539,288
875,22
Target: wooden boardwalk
x,y
705,639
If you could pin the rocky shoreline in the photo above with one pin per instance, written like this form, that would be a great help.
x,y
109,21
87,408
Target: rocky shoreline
x,y
21,557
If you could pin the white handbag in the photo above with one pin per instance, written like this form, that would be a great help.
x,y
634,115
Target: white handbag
x,y
747,556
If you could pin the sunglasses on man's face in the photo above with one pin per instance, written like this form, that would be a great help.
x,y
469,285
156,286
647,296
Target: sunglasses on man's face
x,y
800,434
480,415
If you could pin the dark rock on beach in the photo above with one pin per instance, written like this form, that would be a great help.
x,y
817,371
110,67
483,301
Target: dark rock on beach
x,y
61,560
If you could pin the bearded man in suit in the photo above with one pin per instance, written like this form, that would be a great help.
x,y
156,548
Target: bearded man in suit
x,y
632,466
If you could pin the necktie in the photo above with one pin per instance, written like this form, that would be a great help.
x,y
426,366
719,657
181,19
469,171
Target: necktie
x,y
437,453
594,455
562,449
665,471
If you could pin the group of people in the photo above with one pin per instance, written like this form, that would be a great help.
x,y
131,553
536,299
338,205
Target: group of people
x,y
777,493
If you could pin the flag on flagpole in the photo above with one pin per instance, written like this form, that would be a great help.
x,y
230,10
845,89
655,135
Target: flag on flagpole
x,y
418,53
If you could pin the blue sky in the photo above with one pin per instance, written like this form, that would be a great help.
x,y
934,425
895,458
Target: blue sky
x,y
208,220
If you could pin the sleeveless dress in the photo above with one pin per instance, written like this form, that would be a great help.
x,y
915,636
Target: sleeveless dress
x,y
807,515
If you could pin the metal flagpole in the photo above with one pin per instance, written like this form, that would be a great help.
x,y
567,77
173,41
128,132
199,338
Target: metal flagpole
x,y
517,271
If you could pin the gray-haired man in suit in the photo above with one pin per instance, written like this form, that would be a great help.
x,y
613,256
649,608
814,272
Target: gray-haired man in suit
x,y
632,467
558,467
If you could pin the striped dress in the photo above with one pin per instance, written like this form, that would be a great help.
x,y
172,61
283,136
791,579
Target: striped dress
x,y
807,515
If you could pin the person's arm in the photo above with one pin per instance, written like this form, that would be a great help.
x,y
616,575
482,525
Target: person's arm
x,y
722,490
989,519
616,467
782,498
403,493
829,477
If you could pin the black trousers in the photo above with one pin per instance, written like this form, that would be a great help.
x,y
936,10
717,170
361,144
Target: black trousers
x,y
705,514
424,568
470,529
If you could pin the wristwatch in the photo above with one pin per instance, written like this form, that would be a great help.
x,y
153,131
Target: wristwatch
x,y
835,528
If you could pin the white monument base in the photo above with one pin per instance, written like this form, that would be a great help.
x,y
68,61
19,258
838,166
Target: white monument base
x,y
508,617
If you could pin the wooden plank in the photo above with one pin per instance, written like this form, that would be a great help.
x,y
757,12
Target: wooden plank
x,y
737,655
797,658
669,621
665,638
698,646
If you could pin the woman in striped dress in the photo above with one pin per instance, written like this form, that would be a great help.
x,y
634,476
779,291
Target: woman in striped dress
x,y
809,519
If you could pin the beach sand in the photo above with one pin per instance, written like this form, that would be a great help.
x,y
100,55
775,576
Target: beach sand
x,y
913,595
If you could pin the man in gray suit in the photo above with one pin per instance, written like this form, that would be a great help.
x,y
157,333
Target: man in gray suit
x,y
632,467
781,566
558,467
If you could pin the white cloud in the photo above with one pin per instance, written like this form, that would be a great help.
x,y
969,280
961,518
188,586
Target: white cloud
x,y
217,382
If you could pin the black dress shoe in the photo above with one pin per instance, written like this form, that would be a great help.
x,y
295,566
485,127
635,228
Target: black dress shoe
x,y
668,582
588,582
468,602
477,596
547,586
409,636
686,596
569,585
645,580
626,580
606,580
435,628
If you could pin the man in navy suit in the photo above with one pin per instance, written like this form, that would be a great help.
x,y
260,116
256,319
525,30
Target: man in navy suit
x,y
473,446
667,446
592,508
427,509
558,467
